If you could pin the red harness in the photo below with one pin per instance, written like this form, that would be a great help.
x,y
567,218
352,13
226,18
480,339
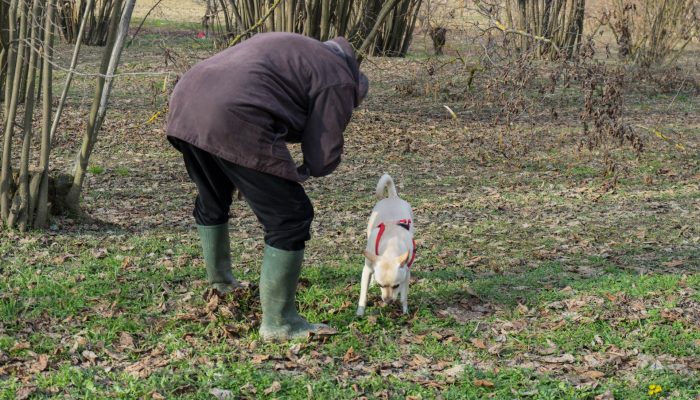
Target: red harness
x,y
404,223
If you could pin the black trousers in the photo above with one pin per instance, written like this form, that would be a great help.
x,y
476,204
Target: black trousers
x,y
281,205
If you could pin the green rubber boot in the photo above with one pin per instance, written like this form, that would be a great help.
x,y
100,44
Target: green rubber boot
x,y
216,248
278,287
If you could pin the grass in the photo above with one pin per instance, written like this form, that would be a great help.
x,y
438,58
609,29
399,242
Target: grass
x,y
96,169
535,277
122,171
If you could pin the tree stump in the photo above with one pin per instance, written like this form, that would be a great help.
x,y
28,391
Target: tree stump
x,y
438,34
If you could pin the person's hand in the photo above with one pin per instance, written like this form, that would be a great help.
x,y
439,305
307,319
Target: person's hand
x,y
304,172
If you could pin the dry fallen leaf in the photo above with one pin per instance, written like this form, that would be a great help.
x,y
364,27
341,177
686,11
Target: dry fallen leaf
x,y
126,340
274,388
20,346
62,259
126,263
350,356
605,396
419,361
323,333
248,388
478,343
673,263
495,349
611,297
157,396
259,358
213,303
593,374
41,363
24,392
221,394
146,366
483,383
99,253
564,358
89,355
673,314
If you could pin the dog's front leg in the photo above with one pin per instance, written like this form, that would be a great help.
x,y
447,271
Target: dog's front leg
x,y
404,293
364,286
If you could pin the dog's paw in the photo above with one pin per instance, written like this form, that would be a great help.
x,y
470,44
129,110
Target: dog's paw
x,y
360,311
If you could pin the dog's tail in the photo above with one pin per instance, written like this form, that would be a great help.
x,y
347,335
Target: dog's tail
x,y
385,182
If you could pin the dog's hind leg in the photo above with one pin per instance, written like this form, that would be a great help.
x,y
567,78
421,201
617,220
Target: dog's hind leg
x,y
404,293
364,286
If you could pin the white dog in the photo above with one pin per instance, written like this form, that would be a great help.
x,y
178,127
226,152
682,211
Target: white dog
x,y
390,247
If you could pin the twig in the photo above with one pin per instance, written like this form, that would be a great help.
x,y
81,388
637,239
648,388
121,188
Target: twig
x,y
673,100
142,22
499,25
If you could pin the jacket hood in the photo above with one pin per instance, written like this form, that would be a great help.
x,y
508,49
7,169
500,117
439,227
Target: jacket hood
x,y
343,48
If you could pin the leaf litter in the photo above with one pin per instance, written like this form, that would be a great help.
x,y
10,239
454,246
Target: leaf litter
x,y
451,192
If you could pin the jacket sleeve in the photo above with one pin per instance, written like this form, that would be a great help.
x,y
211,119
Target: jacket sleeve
x,y
322,139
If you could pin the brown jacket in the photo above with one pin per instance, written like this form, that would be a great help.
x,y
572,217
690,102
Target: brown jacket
x,y
246,102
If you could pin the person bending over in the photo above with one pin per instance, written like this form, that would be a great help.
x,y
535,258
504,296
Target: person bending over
x,y
231,117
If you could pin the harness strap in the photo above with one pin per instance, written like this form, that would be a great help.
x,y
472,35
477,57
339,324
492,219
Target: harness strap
x,y
404,223
381,227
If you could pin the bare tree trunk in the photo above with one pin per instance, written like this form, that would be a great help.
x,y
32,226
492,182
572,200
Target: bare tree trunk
x,y
549,28
42,194
411,26
11,47
4,43
363,25
6,174
118,30
388,6
325,19
73,14
20,213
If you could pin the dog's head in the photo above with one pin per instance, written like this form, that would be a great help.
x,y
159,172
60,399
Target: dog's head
x,y
389,273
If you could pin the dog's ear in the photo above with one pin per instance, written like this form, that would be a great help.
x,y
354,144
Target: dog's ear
x,y
403,259
370,256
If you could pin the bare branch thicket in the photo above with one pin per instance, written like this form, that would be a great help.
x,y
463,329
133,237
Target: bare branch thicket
x,y
520,96
582,85
651,32
544,28
387,24
29,188
71,13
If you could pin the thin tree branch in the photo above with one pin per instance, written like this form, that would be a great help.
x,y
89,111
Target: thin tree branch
x,y
261,21
142,22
